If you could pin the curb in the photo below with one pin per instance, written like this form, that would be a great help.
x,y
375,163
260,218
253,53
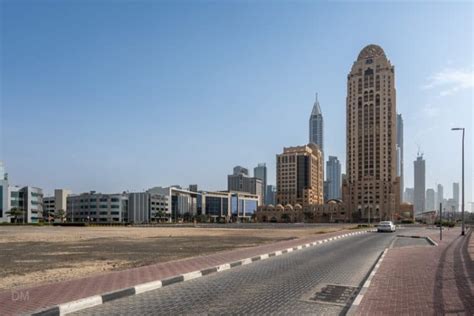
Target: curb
x,y
428,239
91,301
363,290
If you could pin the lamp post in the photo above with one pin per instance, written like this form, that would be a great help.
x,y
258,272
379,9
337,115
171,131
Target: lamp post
x,y
462,198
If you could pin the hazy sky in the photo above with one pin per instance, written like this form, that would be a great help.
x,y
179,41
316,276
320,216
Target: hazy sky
x,y
125,95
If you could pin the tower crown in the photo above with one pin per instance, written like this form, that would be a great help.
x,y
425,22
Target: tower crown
x,y
316,108
371,51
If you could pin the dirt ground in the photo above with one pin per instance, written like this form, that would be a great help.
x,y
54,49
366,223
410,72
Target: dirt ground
x,y
33,255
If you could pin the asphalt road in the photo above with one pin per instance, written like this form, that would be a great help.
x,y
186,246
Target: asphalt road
x,y
282,285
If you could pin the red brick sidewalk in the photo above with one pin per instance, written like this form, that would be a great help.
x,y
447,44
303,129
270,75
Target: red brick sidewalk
x,y
21,301
425,280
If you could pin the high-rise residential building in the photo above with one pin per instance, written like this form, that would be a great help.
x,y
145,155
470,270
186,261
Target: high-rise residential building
x,y
439,196
371,190
240,181
409,196
430,200
270,195
456,195
400,166
260,172
316,126
333,176
300,175
419,202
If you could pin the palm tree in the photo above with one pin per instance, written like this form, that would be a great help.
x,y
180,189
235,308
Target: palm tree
x,y
60,214
16,213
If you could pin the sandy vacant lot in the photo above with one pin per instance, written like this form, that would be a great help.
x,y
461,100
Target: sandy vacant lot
x,y
34,255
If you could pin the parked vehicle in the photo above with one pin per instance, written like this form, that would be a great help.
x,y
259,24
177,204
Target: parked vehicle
x,y
387,226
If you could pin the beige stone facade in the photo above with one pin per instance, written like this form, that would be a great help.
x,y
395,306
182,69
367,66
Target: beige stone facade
x,y
371,190
331,212
300,175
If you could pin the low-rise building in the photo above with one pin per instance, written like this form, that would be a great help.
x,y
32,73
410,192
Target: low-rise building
x,y
331,212
145,207
97,208
28,200
53,205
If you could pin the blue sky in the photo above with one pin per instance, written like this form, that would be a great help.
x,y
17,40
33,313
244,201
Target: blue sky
x,y
115,95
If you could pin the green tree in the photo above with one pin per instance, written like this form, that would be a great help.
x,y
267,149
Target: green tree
x,y
60,214
16,213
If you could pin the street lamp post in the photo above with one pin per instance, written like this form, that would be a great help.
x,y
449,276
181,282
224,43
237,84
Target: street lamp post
x,y
462,198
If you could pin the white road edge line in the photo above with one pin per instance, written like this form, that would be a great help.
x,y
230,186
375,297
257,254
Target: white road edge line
x,y
74,306
149,286
355,304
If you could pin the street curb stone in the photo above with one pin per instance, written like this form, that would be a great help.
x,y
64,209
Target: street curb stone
x,y
365,286
95,300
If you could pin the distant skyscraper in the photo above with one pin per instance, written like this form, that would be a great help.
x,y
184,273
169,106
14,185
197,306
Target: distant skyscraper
x,y
260,172
270,195
409,195
430,200
242,182
400,166
326,190
333,176
240,170
419,202
316,125
439,196
3,195
372,188
456,195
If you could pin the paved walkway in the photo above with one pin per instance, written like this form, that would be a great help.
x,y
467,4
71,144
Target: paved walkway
x,y
425,280
21,301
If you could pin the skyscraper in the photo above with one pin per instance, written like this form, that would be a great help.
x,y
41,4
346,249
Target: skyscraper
x,y
400,165
419,201
316,125
439,196
371,190
456,195
409,196
333,176
300,175
240,181
270,195
260,172
430,200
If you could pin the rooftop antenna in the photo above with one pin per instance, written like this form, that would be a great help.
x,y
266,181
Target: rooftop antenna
x,y
419,153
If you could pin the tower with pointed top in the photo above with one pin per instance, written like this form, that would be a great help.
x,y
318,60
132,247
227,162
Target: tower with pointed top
x,y
316,124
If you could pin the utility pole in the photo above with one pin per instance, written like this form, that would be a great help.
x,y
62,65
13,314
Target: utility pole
x,y
462,198
440,221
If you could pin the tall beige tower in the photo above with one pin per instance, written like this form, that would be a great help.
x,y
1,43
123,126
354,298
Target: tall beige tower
x,y
371,188
300,175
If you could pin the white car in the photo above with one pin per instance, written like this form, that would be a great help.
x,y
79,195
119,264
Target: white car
x,y
386,227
